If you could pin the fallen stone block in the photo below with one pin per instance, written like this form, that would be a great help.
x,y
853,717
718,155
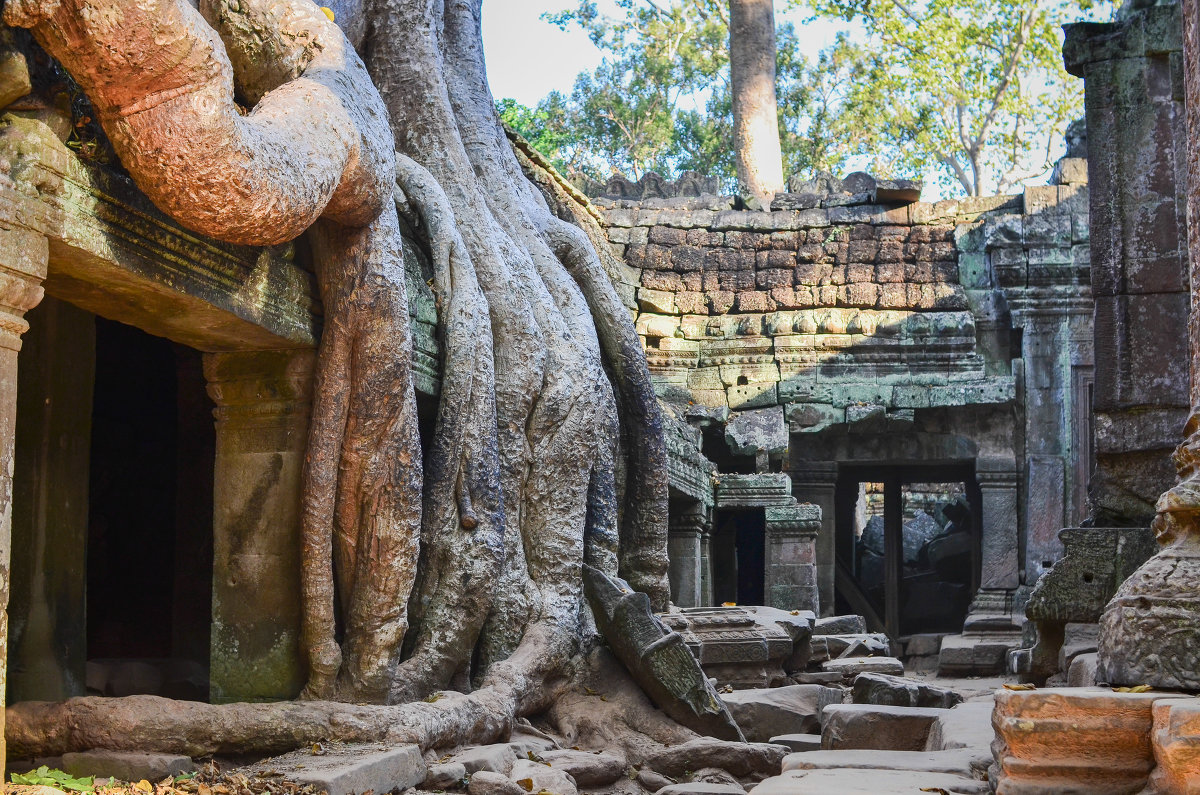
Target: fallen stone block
x,y
126,765
1176,740
524,741
851,667
969,725
537,777
965,762
817,678
738,759
495,758
701,788
832,647
445,776
840,625
851,781
866,726
975,655
883,689
1082,672
798,742
766,712
351,769
588,769
485,782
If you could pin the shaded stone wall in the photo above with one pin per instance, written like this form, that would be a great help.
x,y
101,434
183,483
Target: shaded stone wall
x,y
1137,166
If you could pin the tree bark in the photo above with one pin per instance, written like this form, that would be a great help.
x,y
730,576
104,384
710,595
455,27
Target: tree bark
x,y
755,108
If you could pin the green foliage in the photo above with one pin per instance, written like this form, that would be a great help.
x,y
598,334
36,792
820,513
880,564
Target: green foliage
x,y
47,777
973,91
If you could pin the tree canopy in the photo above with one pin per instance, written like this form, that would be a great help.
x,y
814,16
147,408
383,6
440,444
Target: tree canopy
x,y
970,91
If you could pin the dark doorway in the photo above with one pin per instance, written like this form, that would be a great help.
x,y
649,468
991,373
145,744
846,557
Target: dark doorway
x,y
908,545
149,568
739,556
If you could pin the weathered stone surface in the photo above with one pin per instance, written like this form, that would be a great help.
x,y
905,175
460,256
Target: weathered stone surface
x,y
587,769
850,667
447,775
840,625
796,709
739,759
864,726
969,725
965,762
1082,672
701,788
873,688
352,770
487,783
853,781
798,742
495,758
976,654
1176,740
536,777
758,431
1085,740
126,765
658,659
832,647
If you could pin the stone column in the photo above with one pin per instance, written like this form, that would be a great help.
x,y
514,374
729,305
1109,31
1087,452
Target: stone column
x,y
48,642
684,535
1150,632
23,259
999,571
815,482
263,401
791,557
706,573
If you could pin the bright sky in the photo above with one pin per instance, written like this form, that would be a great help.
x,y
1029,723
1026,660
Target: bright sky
x,y
527,58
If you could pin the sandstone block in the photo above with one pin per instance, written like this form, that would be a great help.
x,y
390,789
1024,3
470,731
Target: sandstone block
x,y
495,758
766,712
535,777
798,742
840,625
353,770
739,759
1082,672
969,725
866,726
586,769
1176,741
701,788
487,783
852,781
126,765
965,762
883,689
445,776
760,430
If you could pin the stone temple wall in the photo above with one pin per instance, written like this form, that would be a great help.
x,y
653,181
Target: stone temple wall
x,y
841,332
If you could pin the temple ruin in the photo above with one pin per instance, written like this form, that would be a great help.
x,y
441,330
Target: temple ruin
x,y
906,443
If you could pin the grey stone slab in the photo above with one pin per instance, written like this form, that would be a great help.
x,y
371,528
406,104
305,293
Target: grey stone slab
x,y
875,688
966,762
850,667
766,712
538,777
855,781
496,758
445,776
352,769
840,625
798,742
126,765
867,726
586,768
969,725
701,788
485,782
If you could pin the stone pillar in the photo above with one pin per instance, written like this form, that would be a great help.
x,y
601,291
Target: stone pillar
x,y
791,557
1150,631
706,573
1137,173
47,605
991,608
815,482
262,415
23,259
684,536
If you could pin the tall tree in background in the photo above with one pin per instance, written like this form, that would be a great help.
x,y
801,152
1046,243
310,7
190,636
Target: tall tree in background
x,y
755,108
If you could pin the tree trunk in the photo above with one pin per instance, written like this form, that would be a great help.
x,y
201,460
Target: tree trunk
x,y
465,567
755,109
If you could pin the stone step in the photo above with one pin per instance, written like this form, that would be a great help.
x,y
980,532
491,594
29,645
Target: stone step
x,y
969,725
966,762
875,688
976,654
851,667
854,781
765,712
798,742
350,769
867,726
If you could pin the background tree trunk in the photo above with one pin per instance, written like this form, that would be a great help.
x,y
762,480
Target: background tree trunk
x,y
755,108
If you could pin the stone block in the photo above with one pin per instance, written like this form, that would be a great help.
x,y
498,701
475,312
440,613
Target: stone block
x,y
974,655
126,765
448,775
866,726
854,781
487,783
965,762
737,758
850,667
1176,740
794,709
829,647
757,431
968,725
883,689
352,770
749,396
798,742
701,788
840,625
538,777
658,301
585,768
495,758
1082,671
